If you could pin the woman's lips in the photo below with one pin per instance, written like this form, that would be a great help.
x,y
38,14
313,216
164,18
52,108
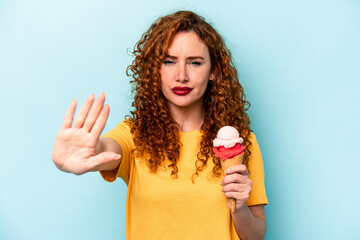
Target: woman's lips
x,y
181,90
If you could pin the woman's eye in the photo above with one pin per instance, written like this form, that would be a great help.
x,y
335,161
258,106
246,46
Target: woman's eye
x,y
196,63
168,62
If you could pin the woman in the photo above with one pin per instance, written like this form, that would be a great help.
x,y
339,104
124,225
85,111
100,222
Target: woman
x,y
186,88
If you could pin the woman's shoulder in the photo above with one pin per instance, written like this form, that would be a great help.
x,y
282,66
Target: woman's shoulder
x,y
252,137
120,131
254,145
125,125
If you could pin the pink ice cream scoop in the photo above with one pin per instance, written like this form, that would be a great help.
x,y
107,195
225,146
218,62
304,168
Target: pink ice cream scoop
x,y
227,143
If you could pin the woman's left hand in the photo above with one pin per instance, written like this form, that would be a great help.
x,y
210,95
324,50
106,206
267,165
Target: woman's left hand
x,y
237,185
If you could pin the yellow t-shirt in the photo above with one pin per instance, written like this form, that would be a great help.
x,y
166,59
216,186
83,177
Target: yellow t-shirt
x,y
162,207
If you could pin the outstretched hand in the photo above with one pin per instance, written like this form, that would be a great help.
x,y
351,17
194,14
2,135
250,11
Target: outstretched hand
x,y
75,145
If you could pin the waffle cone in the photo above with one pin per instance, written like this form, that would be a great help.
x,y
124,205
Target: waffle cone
x,y
225,164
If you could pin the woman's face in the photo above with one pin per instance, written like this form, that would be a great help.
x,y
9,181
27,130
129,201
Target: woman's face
x,y
185,71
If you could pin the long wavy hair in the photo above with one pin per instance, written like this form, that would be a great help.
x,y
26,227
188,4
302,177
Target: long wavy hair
x,y
154,131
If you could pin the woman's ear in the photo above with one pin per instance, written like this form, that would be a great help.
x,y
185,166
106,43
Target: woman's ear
x,y
213,73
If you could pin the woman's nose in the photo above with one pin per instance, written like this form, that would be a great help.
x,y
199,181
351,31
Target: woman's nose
x,y
182,73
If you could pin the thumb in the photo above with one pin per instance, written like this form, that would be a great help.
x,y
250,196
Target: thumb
x,y
104,160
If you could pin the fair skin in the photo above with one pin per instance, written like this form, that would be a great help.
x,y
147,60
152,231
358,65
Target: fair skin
x,y
250,221
77,147
184,77
187,66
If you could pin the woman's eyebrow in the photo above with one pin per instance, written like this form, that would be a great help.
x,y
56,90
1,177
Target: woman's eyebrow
x,y
190,58
196,57
172,57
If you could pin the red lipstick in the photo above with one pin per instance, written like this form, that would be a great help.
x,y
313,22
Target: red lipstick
x,y
181,90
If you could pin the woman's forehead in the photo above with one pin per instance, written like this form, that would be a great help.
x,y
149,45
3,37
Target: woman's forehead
x,y
187,43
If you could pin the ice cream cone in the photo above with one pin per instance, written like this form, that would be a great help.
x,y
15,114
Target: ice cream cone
x,y
225,164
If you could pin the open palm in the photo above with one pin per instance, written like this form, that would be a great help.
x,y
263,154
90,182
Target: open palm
x,y
75,145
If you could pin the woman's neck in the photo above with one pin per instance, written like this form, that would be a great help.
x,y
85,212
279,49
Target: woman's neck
x,y
188,119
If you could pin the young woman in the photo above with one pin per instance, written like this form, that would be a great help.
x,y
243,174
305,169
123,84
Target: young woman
x,y
186,88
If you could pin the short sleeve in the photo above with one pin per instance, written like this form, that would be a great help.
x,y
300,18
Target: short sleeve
x,y
257,174
121,134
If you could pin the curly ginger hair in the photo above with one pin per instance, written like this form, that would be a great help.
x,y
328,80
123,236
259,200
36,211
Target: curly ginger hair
x,y
154,130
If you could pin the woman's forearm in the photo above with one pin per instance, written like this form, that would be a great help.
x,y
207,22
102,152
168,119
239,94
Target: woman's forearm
x,y
247,225
108,145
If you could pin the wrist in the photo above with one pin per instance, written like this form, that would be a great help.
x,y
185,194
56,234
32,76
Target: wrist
x,y
241,210
99,147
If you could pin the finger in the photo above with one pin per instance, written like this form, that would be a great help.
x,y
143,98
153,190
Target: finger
x,y
241,169
243,196
69,115
94,112
81,116
235,178
234,195
235,187
100,122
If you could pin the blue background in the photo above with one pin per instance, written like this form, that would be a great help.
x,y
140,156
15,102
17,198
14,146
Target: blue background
x,y
299,62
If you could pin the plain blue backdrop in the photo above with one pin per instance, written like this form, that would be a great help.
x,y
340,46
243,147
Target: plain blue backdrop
x,y
299,62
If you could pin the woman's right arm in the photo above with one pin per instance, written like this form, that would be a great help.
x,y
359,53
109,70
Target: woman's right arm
x,y
77,147
108,145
